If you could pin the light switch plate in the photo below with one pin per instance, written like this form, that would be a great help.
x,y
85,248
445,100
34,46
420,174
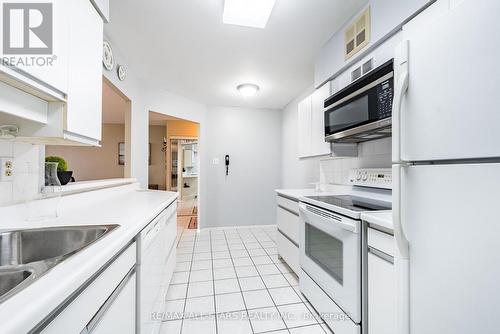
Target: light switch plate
x,y
6,169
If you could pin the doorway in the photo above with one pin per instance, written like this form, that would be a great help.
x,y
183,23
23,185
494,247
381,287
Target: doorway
x,y
174,163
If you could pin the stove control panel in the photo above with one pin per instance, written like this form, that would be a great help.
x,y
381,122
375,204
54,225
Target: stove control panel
x,y
371,177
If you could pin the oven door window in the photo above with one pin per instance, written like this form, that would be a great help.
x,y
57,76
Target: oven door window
x,y
326,251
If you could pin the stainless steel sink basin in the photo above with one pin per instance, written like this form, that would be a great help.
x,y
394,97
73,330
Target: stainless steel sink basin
x,y
25,255
10,278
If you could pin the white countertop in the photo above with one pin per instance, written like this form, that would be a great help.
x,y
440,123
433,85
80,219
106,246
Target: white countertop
x,y
127,206
82,186
380,218
298,193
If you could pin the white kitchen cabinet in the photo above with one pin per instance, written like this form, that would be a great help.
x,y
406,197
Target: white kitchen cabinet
x,y
16,103
84,101
304,127
288,222
120,316
311,124
102,7
65,107
382,283
50,71
83,312
318,144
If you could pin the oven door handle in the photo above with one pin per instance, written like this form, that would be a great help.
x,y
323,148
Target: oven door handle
x,y
331,219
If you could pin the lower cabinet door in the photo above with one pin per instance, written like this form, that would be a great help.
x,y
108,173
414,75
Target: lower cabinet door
x,y
120,315
289,252
381,295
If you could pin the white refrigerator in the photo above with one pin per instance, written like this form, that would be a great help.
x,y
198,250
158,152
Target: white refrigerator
x,y
446,169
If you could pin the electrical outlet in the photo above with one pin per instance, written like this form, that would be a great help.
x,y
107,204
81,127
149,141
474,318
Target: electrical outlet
x,y
6,169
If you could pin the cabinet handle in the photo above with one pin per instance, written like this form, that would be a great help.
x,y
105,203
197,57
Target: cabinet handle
x,y
381,255
89,328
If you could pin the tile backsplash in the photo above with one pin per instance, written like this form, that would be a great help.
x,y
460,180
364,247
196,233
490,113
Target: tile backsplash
x,y
373,154
28,172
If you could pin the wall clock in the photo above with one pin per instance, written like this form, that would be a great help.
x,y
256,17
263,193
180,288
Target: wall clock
x,y
107,56
122,72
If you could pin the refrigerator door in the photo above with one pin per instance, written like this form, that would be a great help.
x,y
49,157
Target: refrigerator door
x,y
450,216
450,109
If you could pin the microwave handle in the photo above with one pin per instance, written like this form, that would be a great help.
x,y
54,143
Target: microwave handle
x,y
402,81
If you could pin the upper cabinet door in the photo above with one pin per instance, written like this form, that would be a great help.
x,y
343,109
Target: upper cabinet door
x,y
84,105
102,7
318,144
304,127
41,59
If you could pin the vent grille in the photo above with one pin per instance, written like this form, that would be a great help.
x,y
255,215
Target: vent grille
x,y
357,35
322,213
368,66
356,74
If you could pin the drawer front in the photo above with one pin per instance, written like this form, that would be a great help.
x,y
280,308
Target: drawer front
x,y
382,301
121,315
76,315
334,317
382,241
288,223
287,203
289,252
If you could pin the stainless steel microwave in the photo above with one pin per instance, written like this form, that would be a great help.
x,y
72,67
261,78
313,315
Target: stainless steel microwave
x,y
362,111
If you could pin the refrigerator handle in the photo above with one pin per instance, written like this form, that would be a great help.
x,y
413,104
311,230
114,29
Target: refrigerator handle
x,y
402,81
399,235
402,257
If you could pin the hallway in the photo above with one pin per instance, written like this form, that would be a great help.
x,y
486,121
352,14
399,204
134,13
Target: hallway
x,y
231,281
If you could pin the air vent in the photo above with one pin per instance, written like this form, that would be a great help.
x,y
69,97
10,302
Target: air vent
x,y
322,213
368,66
357,35
356,74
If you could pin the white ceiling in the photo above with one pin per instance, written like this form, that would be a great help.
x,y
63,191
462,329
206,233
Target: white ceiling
x,y
182,46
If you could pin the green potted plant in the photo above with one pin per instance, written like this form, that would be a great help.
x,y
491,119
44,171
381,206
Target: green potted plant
x,y
63,174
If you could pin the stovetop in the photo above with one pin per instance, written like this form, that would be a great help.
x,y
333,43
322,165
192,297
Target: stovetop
x,y
348,205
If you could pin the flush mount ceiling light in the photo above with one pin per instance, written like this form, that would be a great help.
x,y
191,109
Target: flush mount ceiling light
x,y
248,90
248,13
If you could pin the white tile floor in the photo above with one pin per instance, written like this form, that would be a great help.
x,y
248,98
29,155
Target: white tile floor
x,y
232,281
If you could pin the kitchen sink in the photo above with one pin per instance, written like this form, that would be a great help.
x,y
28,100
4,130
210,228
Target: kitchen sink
x,y
11,278
25,255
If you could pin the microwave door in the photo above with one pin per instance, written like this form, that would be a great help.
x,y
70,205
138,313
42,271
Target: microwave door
x,y
347,115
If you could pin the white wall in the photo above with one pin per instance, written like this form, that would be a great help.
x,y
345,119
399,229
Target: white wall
x,y
295,173
373,154
94,163
28,172
251,137
146,98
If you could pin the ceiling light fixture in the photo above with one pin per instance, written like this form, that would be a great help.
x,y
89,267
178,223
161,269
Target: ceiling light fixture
x,y
248,90
248,13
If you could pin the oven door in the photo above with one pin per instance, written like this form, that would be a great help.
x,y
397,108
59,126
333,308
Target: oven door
x,y
330,253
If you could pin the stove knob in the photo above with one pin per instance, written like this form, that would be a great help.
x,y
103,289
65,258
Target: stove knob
x,y
365,177
358,177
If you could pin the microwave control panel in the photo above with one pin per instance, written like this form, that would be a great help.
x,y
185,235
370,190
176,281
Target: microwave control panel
x,y
385,96
373,178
